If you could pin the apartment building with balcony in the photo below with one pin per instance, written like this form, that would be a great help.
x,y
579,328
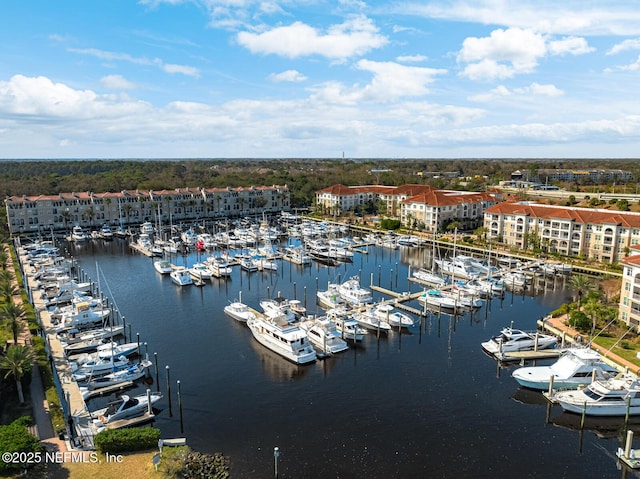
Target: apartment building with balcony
x,y
598,234
43,213
629,307
419,206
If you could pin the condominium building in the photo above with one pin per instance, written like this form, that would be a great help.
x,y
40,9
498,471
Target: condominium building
x,y
583,176
629,308
599,234
42,213
419,206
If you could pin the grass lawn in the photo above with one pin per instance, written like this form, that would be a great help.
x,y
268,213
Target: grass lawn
x,y
138,465
628,354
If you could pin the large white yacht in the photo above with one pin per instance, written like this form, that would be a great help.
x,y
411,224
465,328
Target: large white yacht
x,y
287,340
354,294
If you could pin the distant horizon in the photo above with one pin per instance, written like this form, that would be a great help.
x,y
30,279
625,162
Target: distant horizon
x,y
177,79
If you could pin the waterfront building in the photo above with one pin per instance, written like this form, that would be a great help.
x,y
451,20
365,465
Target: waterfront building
x,y
44,213
420,206
629,307
597,234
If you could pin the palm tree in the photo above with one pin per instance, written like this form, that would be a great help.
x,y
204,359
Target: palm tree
x,y
14,315
4,259
7,290
107,202
581,284
17,361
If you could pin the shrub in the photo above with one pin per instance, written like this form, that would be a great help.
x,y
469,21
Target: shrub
x,y
580,321
15,437
127,440
389,224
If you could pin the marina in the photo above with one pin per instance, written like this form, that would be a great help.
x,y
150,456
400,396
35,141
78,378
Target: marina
x,y
393,419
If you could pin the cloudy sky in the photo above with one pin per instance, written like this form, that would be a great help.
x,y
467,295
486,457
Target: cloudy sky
x,y
310,78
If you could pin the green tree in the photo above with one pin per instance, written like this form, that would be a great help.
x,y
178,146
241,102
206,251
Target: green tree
x,y
17,362
4,259
581,285
13,314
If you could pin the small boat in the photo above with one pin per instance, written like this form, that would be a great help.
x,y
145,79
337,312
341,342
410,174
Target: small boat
x,y
218,267
78,234
248,264
576,367
125,408
287,340
130,374
617,396
200,271
330,298
163,266
510,340
181,276
322,333
105,232
391,315
368,319
239,311
346,325
98,367
354,294
437,300
430,277
113,349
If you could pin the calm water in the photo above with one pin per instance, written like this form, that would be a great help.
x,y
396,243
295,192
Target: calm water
x,y
428,403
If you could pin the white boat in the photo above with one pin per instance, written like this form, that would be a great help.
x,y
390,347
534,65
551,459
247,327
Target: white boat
x,y
126,407
323,334
346,325
77,234
278,307
129,374
617,396
429,277
163,266
218,267
146,228
458,267
239,311
510,340
105,232
83,315
354,294
296,255
287,340
116,350
514,279
464,299
74,336
181,276
576,367
248,264
437,300
200,271
368,319
97,367
330,298
391,315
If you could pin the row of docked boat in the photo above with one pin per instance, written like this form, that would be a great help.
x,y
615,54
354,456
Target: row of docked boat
x,y
581,381
89,340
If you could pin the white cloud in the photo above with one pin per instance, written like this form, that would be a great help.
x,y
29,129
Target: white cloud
x,y
287,76
392,80
116,82
631,44
502,92
118,56
411,58
356,36
568,17
183,69
633,66
518,49
570,45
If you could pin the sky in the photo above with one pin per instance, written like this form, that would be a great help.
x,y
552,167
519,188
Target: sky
x,y
317,79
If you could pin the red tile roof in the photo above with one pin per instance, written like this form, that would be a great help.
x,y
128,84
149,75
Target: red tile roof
x,y
579,215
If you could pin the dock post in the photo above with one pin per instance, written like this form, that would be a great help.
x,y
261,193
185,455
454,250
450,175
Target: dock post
x,y
627,445
294,291
276,455
584,413
305,296
138,339
550,386
396,275
180,407
626,415
124,328
169,390
149,408
155,360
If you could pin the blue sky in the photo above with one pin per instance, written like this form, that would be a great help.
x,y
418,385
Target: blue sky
x,y
243,78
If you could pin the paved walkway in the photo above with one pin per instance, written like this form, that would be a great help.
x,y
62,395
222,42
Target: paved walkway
x,y
43,428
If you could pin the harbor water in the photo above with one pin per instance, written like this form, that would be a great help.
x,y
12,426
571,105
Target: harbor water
x,y
427,402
